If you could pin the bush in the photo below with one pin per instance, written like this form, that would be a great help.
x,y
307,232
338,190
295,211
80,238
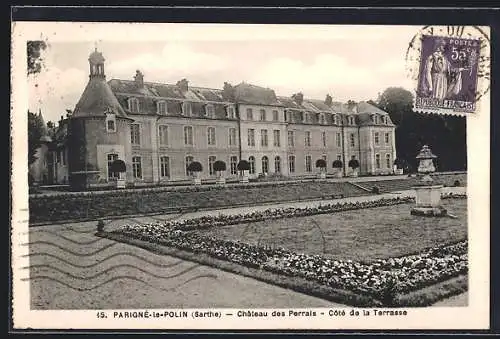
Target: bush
x,y
337,164
354,163
457,183
320,163
100,226
219,166
243,165
118,166
195,166
375,190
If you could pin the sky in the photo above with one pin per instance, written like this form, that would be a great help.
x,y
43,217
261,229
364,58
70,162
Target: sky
x,y
347,62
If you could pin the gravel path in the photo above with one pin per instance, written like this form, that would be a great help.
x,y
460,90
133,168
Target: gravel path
x,y
70,268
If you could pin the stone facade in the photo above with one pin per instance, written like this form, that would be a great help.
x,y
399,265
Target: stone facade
x,y
157,129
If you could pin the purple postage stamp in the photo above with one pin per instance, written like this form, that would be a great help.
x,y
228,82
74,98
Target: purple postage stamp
x,y
448,74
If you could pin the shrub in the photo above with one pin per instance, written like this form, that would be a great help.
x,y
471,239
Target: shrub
x,y
118,166
354,163
337,164
195,166
100,226
375,190
243,165
457,183
219,166
320,163
399,163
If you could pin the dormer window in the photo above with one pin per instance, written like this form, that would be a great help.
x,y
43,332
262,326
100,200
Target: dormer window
x,y
386,120
322,119
209,111
230,112
351,120
376,119
133,105
186,108
161,107
110,123
302,117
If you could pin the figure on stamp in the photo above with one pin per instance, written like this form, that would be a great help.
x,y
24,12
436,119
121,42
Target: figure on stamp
x,y
441,80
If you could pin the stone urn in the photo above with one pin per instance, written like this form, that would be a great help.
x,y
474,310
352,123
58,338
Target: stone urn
x,y
428,193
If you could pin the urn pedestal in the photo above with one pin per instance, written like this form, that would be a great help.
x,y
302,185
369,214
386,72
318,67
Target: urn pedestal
x,y
322,175
428,201
120,183
244,178
197,181
221,180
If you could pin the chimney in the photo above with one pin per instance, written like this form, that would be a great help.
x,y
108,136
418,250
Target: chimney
x,y
298,98
183,85
139,79
228,92
328,100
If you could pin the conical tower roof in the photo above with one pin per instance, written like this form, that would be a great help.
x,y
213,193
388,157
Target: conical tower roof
x,y
45,131
97,99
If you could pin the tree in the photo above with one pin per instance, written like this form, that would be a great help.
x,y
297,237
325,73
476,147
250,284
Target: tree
x,y
243,165
34,53
353,163
397,101
35,133
118,166
219,166
321,163
337,164
195,166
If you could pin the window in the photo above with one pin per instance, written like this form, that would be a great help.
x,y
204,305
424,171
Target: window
x,y
339,157
249,114
161,107
291,138
377,160
336,120
211,136
111,158
232,137
230,112
291,163
188,135
286,115
386,138
302,117
58,157
322,119
164,167
388,160
163,135
307,138
186,108
376,138
209,111
111,126
351,120
135,134
376,119
137,167
263,115
63,158
211,160
277,138
265,164
189,160
133,105
323,138
353,140
339,140
308,163
277,164
275,115
251,137
263,138
233,162
251,161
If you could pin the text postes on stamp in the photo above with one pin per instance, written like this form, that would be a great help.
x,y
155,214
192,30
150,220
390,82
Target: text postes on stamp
x,y
450,69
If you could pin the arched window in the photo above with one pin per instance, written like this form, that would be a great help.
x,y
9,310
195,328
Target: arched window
x,y
251,161
277,164
265,164
112,157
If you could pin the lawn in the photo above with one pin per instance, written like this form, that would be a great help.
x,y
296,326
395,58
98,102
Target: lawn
x,y
360,235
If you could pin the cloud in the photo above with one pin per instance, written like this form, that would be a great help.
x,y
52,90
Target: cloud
x,y
54,89
175,59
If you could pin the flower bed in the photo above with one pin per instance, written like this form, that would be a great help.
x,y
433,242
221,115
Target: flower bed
x,y
381,280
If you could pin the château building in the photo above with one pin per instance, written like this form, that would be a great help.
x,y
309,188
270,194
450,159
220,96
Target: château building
x,y
159,129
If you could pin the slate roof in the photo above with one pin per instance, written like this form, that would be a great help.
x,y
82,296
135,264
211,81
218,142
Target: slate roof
x,y
96,99
252,94
151,93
